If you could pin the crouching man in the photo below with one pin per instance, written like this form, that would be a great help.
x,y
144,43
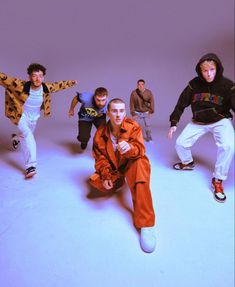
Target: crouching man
x,y
119,153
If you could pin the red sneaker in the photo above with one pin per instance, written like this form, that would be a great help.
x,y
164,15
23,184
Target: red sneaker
x,y
218,190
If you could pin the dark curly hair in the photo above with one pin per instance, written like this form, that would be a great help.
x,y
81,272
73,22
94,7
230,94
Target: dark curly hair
x,y
35,67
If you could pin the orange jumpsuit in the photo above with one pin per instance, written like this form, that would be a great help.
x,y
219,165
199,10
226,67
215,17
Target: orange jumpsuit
x,y
133,166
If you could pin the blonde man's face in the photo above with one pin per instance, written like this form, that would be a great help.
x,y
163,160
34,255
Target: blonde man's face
x,y
208,71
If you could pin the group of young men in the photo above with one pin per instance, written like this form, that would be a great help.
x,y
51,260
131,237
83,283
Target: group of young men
x,y
118,145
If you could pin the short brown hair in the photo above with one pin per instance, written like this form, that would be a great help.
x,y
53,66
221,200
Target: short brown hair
x,y
35,67
101,91
116,100
141,81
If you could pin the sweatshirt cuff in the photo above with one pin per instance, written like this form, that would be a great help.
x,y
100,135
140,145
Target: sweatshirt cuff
x,y
173,123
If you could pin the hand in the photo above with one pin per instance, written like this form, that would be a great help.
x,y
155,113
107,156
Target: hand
x,y
71,113
123,147
107,184
171,131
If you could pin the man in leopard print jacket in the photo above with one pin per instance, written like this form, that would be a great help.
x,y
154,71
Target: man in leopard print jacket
x,y
23,102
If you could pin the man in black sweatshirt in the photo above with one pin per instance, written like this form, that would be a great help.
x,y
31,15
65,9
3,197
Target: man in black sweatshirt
x,y
211,97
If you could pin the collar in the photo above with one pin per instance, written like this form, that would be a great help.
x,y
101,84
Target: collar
x,y
27,85
106,130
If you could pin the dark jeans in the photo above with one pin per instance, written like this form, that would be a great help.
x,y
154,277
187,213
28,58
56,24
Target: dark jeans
x,y
84,128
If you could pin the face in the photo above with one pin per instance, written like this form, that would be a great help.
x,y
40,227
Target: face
x,y
100,101
141,86
116,113
36,79
209,73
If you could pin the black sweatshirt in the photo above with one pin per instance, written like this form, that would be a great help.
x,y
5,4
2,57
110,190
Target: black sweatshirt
x,y
210,102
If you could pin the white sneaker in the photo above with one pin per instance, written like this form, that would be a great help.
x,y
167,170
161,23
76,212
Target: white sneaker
x,y
147,239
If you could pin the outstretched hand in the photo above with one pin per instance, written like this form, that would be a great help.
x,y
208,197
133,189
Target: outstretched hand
x,y
172,130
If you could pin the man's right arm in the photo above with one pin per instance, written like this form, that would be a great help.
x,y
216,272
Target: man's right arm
x,y
183,102
7,81
72,106
132,106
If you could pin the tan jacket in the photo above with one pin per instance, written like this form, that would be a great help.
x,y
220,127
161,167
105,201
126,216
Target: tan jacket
x,y
108,164
17,92
145,103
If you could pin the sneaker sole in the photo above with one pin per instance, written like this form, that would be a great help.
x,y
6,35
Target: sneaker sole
x,y
30,175
184,168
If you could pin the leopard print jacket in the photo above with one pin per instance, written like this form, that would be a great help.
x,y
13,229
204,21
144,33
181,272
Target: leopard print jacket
x,y
17,92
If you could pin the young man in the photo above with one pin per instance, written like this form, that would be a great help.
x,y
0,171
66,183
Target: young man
x,y
211,97
23,102
119,154
92,111
142,108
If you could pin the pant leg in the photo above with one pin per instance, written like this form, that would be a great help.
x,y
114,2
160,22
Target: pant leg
x,y
147,126
191,133
223,133
137,174
99,121
84,131
28,143
140,121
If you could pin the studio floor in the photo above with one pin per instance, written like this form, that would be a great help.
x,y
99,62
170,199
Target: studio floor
x,y
54,233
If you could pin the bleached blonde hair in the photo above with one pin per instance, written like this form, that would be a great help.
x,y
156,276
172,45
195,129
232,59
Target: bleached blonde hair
x,y
208,64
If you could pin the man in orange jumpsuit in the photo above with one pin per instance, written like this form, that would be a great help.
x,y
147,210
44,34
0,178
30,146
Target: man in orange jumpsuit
x,y
119,153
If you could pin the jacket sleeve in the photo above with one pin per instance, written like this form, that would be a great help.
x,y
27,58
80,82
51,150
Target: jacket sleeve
x,y
151,103
233,98
58,86
132,106
102,164
183,102
7,81
136,142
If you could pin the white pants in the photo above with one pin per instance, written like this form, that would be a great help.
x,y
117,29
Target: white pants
x,y
26,127
223,134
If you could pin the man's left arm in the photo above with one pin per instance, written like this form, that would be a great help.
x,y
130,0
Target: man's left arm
x,y
151,108
61,85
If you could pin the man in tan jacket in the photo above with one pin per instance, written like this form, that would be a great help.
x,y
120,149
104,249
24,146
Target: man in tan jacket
x,y
142,108
119,154
23,102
